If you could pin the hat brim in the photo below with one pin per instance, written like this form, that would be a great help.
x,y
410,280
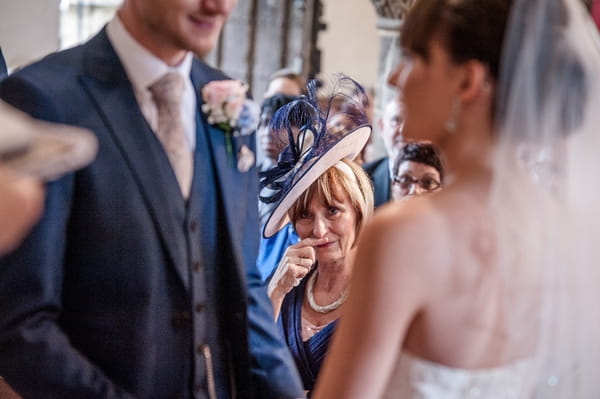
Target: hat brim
x,y
42,149
347,148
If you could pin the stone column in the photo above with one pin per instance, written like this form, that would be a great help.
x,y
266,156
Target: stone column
x,y
390,15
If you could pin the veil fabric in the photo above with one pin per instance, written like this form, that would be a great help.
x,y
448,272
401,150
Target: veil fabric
x,y
545,195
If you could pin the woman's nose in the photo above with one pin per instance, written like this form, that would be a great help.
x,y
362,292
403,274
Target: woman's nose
x,y
319,227
414,189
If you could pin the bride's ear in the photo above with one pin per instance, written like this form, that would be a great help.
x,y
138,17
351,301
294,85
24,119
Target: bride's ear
x,y
475,81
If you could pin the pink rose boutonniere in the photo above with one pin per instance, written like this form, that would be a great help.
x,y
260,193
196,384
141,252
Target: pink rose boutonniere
x,y
227,107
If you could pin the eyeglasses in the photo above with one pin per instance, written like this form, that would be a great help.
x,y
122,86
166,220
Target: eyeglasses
x,y
427,183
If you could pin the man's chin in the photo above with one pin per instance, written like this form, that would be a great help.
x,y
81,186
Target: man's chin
x,y
202,47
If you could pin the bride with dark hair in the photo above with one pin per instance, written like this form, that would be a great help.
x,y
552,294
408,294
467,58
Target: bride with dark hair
x,y
490,287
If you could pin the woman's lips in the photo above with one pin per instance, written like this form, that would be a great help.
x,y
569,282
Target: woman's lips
x,y
324,245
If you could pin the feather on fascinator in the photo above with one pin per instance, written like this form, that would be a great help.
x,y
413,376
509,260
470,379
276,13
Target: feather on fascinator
x,y
315,144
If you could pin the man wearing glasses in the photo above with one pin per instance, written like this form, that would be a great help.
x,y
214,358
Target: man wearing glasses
x,y
381,171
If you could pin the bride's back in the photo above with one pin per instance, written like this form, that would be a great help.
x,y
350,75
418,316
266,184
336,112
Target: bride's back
x,y
464,319
499,269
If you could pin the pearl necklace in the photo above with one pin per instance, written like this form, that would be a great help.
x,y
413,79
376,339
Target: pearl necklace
x,y
311,298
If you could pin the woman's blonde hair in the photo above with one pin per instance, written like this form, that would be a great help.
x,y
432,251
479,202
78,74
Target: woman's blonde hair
x,y
349,179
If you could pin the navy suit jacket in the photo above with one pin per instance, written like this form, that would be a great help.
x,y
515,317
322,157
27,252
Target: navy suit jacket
x,y
380,176
96,303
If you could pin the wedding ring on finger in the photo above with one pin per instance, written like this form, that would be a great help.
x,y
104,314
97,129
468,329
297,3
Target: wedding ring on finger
x,y
297,281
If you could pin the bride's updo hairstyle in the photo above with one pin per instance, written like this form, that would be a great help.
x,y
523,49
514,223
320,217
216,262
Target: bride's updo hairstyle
x,y
475,30
468,29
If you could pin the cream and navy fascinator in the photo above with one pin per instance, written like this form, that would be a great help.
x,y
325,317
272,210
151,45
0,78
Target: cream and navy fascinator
x,y
313,146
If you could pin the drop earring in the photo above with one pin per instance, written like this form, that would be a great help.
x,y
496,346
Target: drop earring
x,y
452,123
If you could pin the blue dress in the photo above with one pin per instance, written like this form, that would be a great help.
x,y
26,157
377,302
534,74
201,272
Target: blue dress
x,y
308,355
271,250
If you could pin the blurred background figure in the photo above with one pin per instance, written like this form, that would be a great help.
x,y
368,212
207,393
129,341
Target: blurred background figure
x,y
418,170
381,171
340,118
269,142
339,122
285,81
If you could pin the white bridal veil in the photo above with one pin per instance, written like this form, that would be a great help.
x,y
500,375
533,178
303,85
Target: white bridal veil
x,y
546,194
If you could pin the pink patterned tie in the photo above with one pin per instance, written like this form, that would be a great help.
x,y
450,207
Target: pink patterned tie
x,y
167,93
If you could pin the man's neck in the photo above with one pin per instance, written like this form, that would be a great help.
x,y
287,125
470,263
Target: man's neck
x,y
149,39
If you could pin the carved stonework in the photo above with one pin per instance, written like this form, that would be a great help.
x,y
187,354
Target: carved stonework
x,y
392,9
390,15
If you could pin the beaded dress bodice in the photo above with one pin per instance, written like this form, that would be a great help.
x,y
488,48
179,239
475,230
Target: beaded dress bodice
x,y
415,378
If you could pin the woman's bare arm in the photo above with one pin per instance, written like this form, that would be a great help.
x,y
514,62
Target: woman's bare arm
x,y
389,287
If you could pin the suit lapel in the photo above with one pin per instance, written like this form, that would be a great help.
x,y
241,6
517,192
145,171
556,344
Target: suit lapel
x,y
232,192
106,82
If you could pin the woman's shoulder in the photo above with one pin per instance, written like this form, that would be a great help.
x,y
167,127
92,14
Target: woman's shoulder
x,y
428,230
416,215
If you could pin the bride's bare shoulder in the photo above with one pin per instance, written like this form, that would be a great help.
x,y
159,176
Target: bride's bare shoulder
x,y
416,213
408,227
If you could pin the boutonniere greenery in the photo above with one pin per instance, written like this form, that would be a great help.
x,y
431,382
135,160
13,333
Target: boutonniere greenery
x,y
227,107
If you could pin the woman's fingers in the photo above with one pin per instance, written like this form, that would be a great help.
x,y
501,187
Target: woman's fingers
x,y
293,271
301,261
296,263
304,252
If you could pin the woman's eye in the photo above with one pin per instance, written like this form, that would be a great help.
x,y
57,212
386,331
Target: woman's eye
x,y
405,179
429,183
333,210
304,215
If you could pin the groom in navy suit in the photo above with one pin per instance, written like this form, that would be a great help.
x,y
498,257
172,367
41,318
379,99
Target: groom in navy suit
x,y
139,281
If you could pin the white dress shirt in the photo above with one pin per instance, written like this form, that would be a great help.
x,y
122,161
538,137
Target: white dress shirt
x,y
143,69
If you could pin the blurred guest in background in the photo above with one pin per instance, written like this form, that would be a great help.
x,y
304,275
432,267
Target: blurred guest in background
x,y
270,143
285,81
381,171
417,170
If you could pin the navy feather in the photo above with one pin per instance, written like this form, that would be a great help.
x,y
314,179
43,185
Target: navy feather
x,y
310,118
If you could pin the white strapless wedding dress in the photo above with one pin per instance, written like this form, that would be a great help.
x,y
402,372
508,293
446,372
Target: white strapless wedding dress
x,y
415,378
